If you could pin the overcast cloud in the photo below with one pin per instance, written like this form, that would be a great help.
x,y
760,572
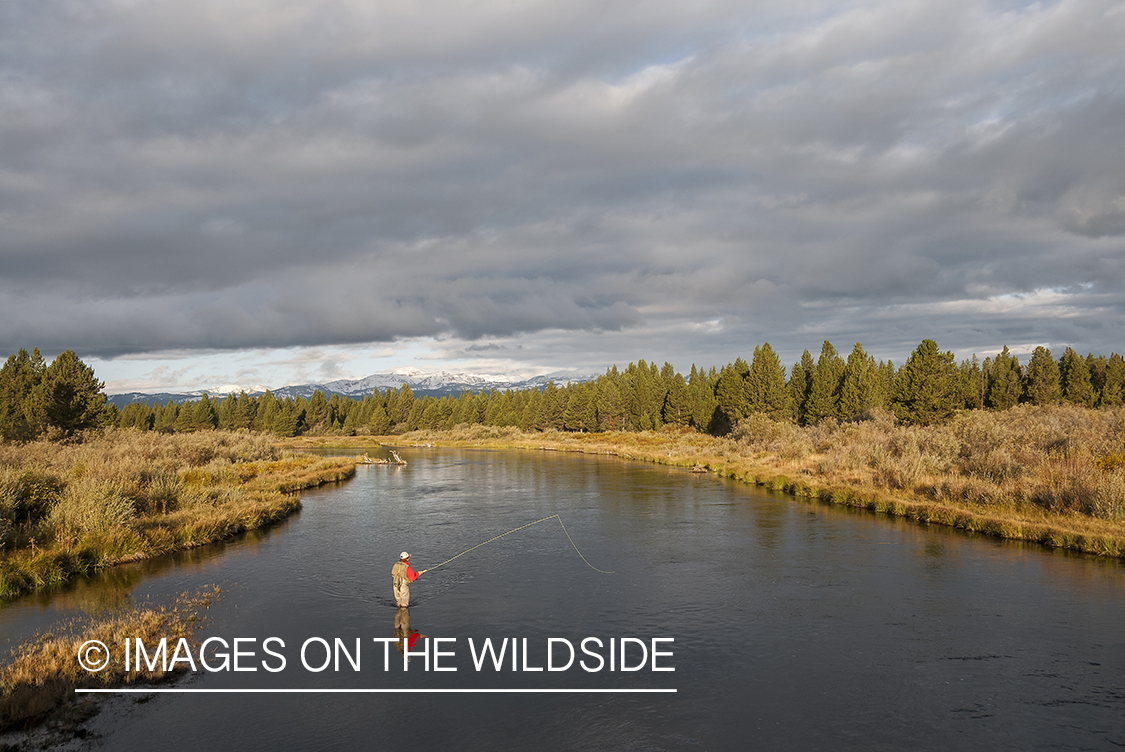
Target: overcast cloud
x,y
513,186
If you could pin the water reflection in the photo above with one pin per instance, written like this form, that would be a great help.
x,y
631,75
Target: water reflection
x,y
405,637
111,590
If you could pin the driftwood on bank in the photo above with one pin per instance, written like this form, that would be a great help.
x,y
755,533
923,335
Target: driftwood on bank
x,y
365,460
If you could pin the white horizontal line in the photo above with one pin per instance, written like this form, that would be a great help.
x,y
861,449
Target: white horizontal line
x,y
165,690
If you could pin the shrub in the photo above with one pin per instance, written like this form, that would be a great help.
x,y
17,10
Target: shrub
x,y
1109,499
760,432
10,488
29,495
161,491
996,465
1067,484
92,506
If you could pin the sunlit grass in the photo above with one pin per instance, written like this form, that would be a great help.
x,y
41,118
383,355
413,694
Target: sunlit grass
x,y
66,510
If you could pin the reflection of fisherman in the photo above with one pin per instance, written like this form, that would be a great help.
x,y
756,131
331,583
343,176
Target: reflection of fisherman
x,y
404,638
402,574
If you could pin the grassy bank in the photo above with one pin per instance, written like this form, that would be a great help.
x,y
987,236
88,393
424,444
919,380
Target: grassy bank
x,y
66,510
1054,474
38,682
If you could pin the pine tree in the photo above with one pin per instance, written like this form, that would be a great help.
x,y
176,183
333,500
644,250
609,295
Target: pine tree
x,y
18,378
447,409
972,376
462,414
531,420
1074,377
338,411
266,413
797,387
764,385
642,400
859,390
1004,381
677,403
928,388
610,409
730,393
592,419
1097,366
350,426
824,394
702,395
554,406
390,403
413,419
479,409
430,415
493,407
164,417
137,415
184,419
204,417
1113,392
286,419
403,406
110,414
378,422
68,398
574,418
1041,380
224,410
801,401
316,414
887,377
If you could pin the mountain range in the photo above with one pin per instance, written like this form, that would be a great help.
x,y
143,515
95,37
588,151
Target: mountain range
x,y
422,384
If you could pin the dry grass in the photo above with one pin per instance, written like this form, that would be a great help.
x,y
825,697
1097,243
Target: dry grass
x,y
1050,474
43,673
68,509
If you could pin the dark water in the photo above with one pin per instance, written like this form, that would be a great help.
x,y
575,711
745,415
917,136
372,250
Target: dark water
x,y
795,625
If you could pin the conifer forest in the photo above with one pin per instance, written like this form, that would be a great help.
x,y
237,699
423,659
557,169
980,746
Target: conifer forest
x,y
38,400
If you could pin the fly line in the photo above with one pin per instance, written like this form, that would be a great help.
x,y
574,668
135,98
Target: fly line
x,y
516,530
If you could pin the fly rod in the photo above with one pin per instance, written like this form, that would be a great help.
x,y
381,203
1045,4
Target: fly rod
x,y
516,530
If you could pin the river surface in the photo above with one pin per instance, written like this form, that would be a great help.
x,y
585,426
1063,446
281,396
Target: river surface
x,y
793,625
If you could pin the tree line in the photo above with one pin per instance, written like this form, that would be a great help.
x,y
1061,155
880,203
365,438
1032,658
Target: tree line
x,y
53,401
63,398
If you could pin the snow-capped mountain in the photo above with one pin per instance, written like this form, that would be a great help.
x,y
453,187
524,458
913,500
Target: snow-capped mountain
x,y
421,384
418,381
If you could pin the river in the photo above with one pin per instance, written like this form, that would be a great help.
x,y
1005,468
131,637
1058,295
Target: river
x,y
789,624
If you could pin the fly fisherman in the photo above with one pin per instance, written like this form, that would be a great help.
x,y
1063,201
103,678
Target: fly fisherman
x,y
402,574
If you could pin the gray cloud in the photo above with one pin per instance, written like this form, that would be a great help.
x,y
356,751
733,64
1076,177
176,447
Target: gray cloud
x,y
262,174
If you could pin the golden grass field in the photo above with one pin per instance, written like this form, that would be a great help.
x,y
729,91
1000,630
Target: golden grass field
x,y
67,509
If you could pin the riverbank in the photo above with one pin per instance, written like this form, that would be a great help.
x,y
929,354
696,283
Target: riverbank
x,y
1053,475
66,510
37,687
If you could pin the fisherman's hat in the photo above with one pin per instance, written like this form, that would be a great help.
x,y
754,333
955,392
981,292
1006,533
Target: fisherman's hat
x,y
404,555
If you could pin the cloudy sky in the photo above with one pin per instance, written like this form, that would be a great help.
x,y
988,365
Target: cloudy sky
x,y
206,192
